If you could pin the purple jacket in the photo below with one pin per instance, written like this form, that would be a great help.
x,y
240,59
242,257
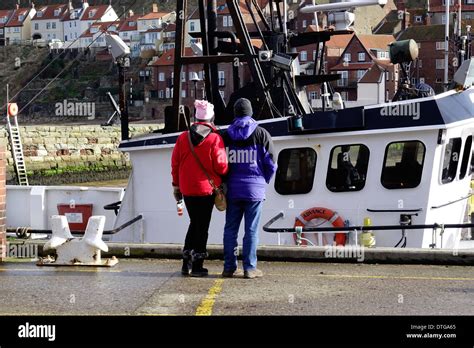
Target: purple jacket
x,y
251,164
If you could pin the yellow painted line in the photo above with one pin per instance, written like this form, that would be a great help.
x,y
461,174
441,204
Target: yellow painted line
x,y
207,304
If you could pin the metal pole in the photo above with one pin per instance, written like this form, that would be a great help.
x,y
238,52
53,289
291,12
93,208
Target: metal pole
x,y
123,102
8,96
446,46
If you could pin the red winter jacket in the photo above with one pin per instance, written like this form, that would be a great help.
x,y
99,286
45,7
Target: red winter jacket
x,y
186,172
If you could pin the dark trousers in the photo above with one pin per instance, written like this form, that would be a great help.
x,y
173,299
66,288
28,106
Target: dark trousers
x,y
200,212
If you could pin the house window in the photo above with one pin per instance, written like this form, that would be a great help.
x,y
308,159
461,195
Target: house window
x,y
305,24
313,95
304,56
440,64
21,18
465,157
451,159
16,30
347,57
48,25
470,2
361,56
168,93
360,74
224,21
56,12
314,54
192,26
451,2
183,93
295,173
440,45
183,77
221,78
422,80
92,13
161,94
1,31
161,76
347,168
382,55
230,22
344,95
36,26
418,19
403,165
468,16
53,25
344,80
40,14
443,19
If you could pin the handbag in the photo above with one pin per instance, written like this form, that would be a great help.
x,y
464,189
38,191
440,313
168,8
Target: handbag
x,y
219,200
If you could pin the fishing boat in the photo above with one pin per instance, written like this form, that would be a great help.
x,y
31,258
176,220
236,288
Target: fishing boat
x,y
401,170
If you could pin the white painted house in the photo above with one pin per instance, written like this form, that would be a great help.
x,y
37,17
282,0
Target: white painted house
x,y
18,27
77,21
47,23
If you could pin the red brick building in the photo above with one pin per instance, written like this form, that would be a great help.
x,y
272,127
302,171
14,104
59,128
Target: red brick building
x,y
163,73
430,66
360,55
436,10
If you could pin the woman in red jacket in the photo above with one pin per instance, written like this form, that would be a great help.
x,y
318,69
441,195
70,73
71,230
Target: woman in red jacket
x,y
190,181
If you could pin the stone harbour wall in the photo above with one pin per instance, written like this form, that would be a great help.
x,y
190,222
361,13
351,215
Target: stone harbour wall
x,y
69,154
3,240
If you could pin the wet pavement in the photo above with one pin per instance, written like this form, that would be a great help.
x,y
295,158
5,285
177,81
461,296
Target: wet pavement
x,y
155,287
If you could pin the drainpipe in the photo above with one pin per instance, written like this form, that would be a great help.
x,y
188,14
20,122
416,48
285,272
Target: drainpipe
x,y
446,46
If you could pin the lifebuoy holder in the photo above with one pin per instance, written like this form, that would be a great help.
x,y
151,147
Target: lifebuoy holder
x,y
319,213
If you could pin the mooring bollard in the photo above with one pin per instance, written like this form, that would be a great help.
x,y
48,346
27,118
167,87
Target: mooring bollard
x,y
85,251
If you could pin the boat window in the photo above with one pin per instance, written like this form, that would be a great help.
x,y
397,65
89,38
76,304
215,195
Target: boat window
x,y
465,157
347,168
295,173
403,165
451,159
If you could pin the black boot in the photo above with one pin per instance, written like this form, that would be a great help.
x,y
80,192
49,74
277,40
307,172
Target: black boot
x,y
186,263
198,261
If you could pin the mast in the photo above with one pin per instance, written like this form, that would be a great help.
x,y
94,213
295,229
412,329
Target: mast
x,y
446,46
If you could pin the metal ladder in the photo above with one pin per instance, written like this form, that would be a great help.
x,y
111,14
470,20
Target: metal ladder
x,y
17,149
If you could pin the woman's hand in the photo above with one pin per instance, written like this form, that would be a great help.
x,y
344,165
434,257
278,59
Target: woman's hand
x,y
177,193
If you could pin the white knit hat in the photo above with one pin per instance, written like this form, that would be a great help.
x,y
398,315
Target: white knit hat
x,y
204,110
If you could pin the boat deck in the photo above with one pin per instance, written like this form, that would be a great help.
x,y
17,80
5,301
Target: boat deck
x,y
155,287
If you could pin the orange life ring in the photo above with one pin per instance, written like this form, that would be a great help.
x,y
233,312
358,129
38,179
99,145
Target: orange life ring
x,y
12,109
321,213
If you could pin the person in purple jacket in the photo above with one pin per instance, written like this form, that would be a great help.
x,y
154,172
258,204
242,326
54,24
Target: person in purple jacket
x,y
251,167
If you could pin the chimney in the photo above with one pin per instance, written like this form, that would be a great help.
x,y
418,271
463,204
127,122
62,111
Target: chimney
x,y
17,5
32,5
70,7
85,4
130,13
154,8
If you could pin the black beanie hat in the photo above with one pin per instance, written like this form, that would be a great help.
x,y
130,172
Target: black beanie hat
x,y
243,107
